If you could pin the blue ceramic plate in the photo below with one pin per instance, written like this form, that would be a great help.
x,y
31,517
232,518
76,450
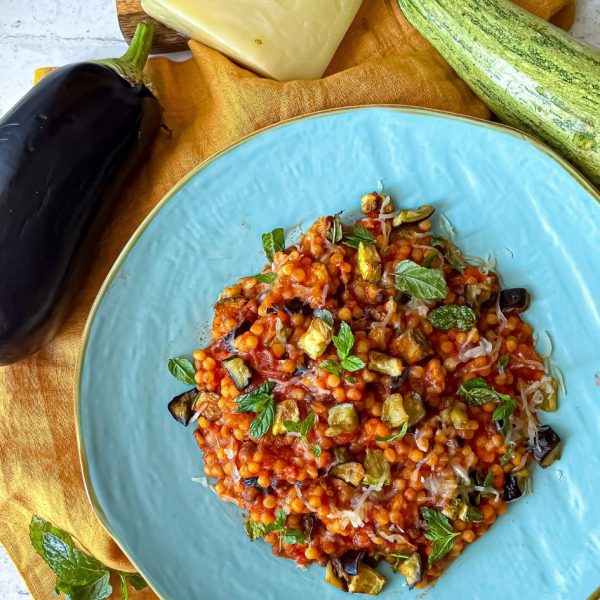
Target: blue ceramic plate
x,y
504,193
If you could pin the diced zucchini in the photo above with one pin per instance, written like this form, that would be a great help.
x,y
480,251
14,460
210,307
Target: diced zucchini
x,y
368,581
550,399
477,294
341,454
392,411
286,410
316,338
350,472
332,579
413,216
369,263
414,407
469,513
452,508
342,418
374,201
459,416
239,371
377,469
382,363
412,569
413,347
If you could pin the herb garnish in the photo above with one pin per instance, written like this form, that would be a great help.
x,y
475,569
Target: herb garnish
x,y
358,234
507,456
316,450
420,282
343,342
78,575
394,436
256,530
440,533
428,260
182,368
452,316
335,233
503,361
273,242
303,427
262,402
477,392
266,277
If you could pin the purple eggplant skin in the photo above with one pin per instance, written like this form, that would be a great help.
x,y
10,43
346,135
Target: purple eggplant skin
x,y
66,150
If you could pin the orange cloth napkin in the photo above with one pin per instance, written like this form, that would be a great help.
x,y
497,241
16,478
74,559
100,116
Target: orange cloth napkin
x,y
209,103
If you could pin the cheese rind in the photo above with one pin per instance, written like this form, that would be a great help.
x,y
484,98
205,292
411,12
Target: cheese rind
x,y
281,39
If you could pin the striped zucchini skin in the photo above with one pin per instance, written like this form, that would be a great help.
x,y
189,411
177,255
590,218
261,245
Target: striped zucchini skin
x,y
532,74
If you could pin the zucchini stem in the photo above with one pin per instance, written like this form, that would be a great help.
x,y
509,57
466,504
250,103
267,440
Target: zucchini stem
x,y
130,66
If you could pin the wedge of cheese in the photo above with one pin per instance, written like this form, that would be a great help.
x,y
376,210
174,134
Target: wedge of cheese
x,y
281,39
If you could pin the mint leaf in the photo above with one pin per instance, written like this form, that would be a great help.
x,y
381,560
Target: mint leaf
x,y
257,399
419,282
394,436
279,523
303,427
293,536
316,450
358,234
452,316
324,315
507,456
335,231
353,363
261,425
505,409
266,277
428,260
255,530
78,575
477,391
181,368
503,361
273,242
331,366
344,341
439,533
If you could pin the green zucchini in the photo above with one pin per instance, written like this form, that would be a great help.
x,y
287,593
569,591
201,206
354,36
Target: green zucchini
x,y
532,74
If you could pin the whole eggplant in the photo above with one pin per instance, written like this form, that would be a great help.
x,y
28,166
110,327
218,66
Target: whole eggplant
x,y
65,151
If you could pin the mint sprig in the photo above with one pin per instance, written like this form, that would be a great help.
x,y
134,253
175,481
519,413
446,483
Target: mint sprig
x,y
78,575
358,234
420,282
261,401
343,342
288,535
303,427
182,369
440,533
273,242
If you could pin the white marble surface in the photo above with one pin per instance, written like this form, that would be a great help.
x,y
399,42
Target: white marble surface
x,y
36,33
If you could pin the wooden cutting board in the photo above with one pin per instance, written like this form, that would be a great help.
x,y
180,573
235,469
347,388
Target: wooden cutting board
x,y
130,13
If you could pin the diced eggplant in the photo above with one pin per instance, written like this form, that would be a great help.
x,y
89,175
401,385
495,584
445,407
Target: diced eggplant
x,y
308,523
397,382
341,454
550,398
469,513
286,410
393,412
332,579
342,418
388,365
452,507
459,416
315,340
251,482
514,300
374,201
301,370
351,560
182,406
413,216
368,581
239,372
514,486
478,294
207,403
414,407
350,472
369,263
377,469
546,446
412,346
297,306
412,569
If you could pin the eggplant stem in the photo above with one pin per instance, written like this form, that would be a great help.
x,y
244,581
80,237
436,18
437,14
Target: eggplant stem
x,y
130,66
